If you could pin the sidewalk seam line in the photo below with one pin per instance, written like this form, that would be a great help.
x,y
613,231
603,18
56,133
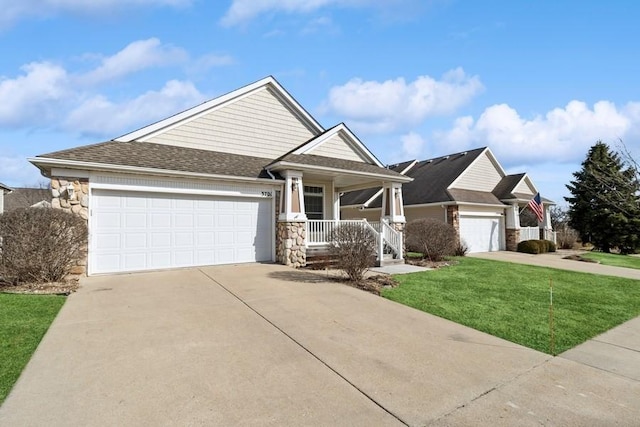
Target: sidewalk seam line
x,y
307,350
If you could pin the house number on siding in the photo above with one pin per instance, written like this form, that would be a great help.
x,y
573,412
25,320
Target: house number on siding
x,y
267,194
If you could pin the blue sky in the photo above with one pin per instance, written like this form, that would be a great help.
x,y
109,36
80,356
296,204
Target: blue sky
x,y
538,82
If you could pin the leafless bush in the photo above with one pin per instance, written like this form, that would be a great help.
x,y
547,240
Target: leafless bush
x,y
40,245
354,248
434,239
566,238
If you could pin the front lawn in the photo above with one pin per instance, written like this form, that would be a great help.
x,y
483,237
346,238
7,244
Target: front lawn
x,y
23,321
615,260
511,301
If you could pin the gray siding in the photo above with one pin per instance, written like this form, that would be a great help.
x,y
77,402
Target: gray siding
x,y
256,125
481,176
337,147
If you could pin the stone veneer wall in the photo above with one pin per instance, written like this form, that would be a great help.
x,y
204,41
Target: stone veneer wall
x,y
77,205
512,237
453,218
290,244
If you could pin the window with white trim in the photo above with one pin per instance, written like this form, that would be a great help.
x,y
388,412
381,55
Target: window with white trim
x,y
314,202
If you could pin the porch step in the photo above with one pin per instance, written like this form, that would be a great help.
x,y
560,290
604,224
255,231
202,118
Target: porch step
x,y
389,261
319,258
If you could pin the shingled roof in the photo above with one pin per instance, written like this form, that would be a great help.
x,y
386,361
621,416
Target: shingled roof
x,y
334,163
166,157
431,179
24,197
173,158
504,189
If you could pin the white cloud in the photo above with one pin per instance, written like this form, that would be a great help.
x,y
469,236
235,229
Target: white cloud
x,y
243,11
14,10
33,96
17,172
561,135
44,94
136,56
98,116
385,106
412,144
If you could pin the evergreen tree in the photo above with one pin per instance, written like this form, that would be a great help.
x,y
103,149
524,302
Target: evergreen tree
x,y
604,207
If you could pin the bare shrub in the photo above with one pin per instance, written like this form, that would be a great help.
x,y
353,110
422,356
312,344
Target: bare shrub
x,y
461,248
354,248
40,245
435,239
566,237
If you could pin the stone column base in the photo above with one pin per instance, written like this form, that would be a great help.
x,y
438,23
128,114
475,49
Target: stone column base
x,y
290,244
512,239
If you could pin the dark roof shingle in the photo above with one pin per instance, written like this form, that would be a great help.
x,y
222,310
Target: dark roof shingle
x,y
167,157
431,179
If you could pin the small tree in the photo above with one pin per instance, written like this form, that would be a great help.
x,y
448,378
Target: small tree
x,y
435,239
40,244
353,246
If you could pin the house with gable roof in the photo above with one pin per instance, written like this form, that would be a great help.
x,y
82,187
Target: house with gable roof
x,y
248,176
469,190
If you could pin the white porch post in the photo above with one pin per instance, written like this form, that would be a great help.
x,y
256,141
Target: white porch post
x,y
512,225
336,202
291,233
293,196
545,225
392,203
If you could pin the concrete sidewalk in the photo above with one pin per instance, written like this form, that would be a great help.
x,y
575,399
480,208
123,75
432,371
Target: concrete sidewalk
x,y
269,345
555,260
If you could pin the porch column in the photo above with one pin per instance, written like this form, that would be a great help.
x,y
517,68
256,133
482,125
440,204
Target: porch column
x,y
545,225
291,228
392,203
336,202
512,225
393,210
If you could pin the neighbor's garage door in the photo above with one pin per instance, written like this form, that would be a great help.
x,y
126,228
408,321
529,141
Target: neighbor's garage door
x,y
134,231
481,234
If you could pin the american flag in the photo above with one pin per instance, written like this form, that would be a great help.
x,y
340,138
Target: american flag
x,y
535,205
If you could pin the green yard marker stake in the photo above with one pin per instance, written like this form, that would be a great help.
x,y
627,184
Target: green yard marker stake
x,y
552,343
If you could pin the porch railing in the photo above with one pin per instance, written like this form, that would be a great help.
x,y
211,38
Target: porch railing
x,y
533,233
319,233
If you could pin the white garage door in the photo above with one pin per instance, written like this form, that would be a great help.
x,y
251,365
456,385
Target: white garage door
x,y
134,231
481,234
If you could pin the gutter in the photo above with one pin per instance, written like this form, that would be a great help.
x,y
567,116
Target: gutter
x,y
41,162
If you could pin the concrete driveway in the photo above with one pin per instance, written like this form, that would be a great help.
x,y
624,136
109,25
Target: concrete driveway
x,y
269,345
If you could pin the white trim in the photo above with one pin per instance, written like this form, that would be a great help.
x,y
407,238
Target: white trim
x,y
324,199
405,170
139,170
480,214
358,147
285,164
197,111
372,198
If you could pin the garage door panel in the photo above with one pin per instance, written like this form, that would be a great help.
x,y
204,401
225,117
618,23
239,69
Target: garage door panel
x,y
481,233
141,231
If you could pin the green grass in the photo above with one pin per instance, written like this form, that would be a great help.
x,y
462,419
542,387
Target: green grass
x,y
23,321
614,259
511,301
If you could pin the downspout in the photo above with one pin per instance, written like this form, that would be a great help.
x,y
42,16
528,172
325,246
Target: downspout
x,y
270,174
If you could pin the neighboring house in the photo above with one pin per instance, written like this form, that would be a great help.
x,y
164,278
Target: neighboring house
x,y
469,190
249,176
25,197
4,190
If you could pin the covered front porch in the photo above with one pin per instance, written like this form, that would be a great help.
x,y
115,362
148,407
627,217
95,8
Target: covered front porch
x,y
308,208
515,233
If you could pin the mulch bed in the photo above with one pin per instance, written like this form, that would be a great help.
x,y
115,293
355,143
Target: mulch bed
x,y
49,288
579,258
430,264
